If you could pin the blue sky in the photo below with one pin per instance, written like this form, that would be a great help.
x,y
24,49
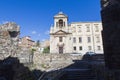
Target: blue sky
x,y
36,16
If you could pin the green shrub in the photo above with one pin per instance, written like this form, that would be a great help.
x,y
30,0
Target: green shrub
x,y
46,50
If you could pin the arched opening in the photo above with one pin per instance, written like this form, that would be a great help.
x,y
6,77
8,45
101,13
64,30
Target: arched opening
x,y
60,23
13,34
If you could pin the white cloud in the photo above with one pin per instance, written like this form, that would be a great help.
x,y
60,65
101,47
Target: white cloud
x,y
34,32
4,22
47,32
43,40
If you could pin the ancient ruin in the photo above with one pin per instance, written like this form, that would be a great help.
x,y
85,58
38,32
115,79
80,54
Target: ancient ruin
x,y
9,37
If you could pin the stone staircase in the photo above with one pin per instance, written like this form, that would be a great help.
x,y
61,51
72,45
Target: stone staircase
x,y
81,70
78,75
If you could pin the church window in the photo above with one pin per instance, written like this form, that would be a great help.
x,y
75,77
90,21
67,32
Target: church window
x,y
89,48
74,29
79,29
96,28
80,48
80,39
89,39
60,23
97,39
74,48
74,39
60,39
98,47
88,27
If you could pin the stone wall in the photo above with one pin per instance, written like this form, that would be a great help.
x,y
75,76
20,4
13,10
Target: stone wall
x,y
9,39
53,61
111,28
9,36
12,69
24,55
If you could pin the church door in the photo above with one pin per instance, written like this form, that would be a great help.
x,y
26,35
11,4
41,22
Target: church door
x,y
60,50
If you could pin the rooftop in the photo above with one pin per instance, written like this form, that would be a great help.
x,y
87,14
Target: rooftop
x,y
60,14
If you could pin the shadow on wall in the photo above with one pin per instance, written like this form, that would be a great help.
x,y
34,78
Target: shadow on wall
x,y
89,68
12,69
93,57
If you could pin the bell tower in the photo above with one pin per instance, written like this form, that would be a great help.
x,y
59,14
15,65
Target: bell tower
x,y
59,35
60,21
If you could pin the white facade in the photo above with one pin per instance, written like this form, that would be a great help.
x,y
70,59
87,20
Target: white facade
x,y
78,37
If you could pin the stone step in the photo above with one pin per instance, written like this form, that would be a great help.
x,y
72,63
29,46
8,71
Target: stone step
x,y
80,65
81,74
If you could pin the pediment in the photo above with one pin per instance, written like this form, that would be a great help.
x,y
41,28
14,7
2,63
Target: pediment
x,y
60,32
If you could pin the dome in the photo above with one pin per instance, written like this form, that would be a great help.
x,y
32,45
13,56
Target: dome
x,y
60,14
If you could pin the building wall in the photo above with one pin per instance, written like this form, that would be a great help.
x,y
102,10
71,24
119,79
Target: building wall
x,y
54,42
76,30
45,44
26,42
84,30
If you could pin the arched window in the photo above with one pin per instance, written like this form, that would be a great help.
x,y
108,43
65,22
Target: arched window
x,y
60,23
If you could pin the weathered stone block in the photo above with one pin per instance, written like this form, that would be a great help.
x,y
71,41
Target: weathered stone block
x,y
8,43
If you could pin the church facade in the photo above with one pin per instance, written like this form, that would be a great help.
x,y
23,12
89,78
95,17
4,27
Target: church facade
x,y
76,37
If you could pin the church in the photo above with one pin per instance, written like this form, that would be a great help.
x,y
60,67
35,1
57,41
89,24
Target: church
x,y
76,37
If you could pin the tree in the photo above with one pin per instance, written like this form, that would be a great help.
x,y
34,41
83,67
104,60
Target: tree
x,y
38,43
46,50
